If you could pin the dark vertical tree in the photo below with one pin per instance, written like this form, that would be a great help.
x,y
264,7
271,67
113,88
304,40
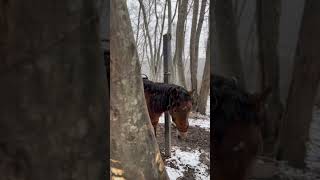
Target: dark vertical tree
x,y
171,64
180,33
305,80
268,18
53,107
227,40
194,48
134,152
205,84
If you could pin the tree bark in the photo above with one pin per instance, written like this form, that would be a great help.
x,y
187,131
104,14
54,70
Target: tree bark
x,y
227,41
306,77
268,34
199,28
148,37
205,84
192,49
177,60
171,64
138,25
158,57
134,152
53,106
194,60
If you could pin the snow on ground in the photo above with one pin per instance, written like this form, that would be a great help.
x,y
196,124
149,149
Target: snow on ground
x,y
183,160
287,172
202,121
208,107
180,160
195,119
313,155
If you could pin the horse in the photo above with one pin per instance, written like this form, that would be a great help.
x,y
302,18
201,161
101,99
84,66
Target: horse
x,y
236,136
162,97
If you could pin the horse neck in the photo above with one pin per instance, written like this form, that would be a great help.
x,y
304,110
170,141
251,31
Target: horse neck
x,y
159,102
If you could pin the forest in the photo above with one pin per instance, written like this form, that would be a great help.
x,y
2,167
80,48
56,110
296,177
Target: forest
x,y
160,89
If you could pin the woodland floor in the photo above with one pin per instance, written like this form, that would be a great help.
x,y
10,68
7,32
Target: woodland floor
x,y
190,158
279,170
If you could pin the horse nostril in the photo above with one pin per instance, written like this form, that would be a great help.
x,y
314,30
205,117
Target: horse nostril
x,y
179,137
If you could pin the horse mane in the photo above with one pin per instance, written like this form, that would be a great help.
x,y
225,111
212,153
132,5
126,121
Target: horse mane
x,y
164,96
233,104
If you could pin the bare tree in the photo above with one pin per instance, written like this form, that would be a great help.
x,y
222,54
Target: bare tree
x,y
180,34
268,35
306,77
53,106
148,36
227,40
193,58
170,20
138,25
194,49
159,47
134,152
205,84
153,29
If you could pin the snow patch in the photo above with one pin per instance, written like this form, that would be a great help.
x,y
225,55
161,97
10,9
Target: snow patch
x,y
173,173
293,173
199,122
196,120
184,159
208,107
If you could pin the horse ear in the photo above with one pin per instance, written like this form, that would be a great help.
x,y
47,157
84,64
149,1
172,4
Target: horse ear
x,y
191,93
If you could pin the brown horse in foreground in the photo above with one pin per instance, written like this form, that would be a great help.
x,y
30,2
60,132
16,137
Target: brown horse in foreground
x,y
236,135
161,97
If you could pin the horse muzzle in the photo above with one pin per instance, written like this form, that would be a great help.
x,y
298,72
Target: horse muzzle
x,y
182,135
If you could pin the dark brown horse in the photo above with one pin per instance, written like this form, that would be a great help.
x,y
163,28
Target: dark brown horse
x,y
161,97
236,129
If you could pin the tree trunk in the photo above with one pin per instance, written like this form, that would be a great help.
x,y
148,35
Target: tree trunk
x,y
227,41
306,76
134,152
138,25
148,37
205,84
193,58
171,64
158,57
177,60
53,106
268,34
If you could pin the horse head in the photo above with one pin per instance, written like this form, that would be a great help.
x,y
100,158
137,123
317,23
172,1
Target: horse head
x,y
180,109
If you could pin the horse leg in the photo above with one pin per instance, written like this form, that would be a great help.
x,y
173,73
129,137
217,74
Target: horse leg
x,y
154,121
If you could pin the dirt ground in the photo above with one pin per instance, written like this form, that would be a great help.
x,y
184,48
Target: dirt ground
x,y
197,139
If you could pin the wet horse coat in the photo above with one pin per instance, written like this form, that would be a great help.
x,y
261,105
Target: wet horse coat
x,y
236,134
161,97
